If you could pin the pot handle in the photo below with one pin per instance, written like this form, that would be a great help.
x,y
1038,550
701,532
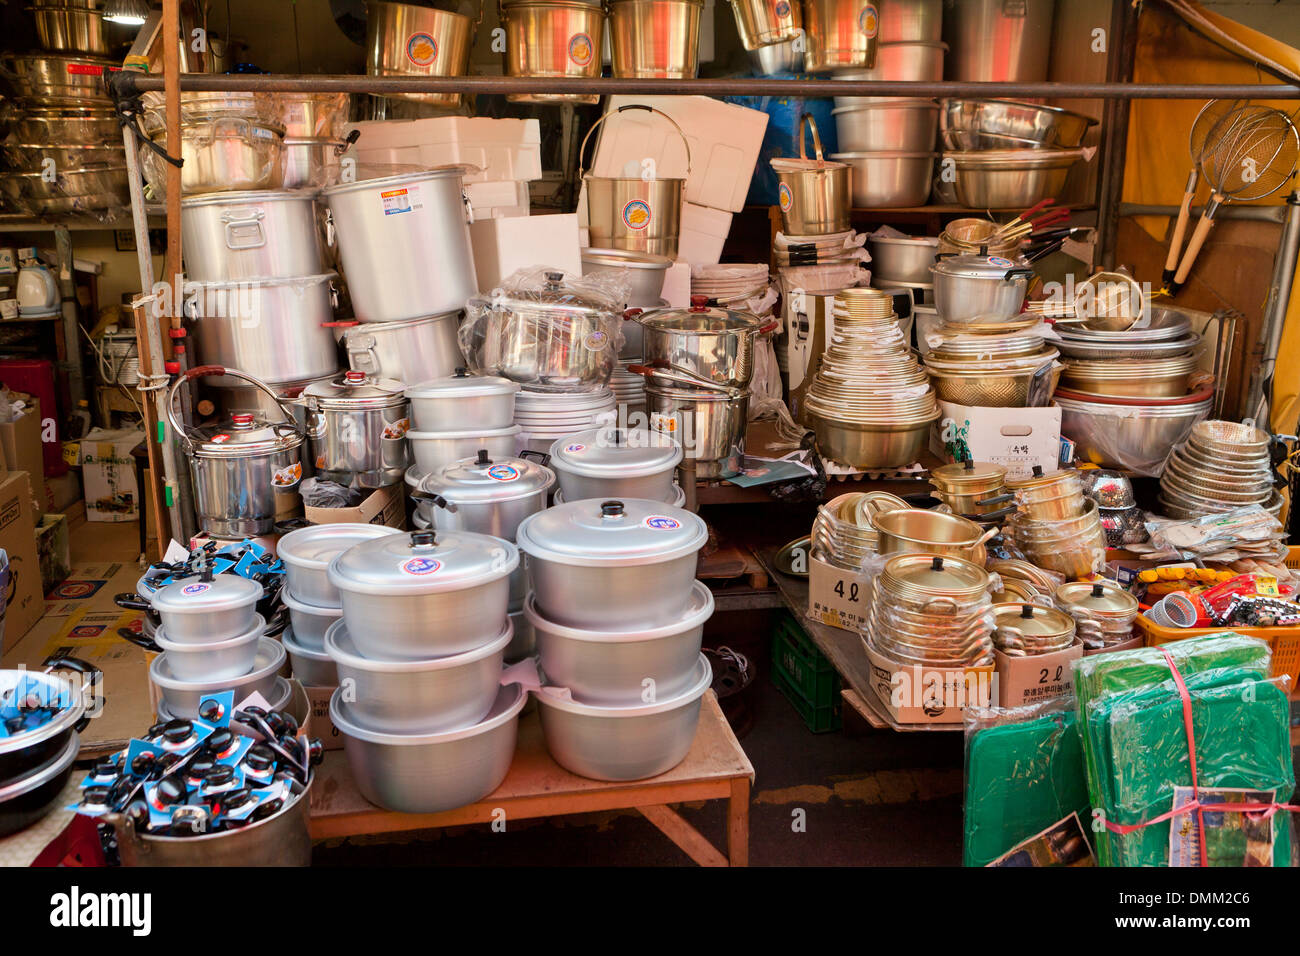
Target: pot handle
x,y
806,122
1018,274
469,207
244,229
88,670
130,601
541,457
362,354
139,640
996,499
582,150
198,370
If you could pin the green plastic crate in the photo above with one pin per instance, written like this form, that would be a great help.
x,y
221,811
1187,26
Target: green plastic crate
x,y
805,677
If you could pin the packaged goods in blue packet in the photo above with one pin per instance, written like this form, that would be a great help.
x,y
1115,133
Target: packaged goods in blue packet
x,y
217,708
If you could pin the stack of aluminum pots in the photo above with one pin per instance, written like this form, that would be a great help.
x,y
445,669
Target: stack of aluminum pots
x,y
1024,630
456,415
614,462
975,490
1103,613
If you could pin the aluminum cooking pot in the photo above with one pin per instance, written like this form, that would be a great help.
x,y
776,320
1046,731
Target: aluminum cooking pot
x,y
358,427
612,462
407,40
644,271
552,38
412,350
248,235
980,287
714,344
208,608
460,400
612,564
416,596
486,495
434,450
182,697
307,553
212,660
309,621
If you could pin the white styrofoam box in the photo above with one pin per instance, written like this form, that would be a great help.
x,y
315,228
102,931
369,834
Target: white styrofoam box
x,y
498,149
677,285
503,246
703,234
497,200
725,140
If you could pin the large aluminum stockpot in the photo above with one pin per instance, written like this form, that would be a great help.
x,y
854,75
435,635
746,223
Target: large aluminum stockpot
x,y
222,154
629,742
901,258
460,400
485,494
980,287
413,350
310,666
840,34
996,41
58,79
434,450
1010,178
197,611
404,243
612,462
655,39
889,178
418,696
76,28
553,38
307,553
875,125
427,773
268,234
416,596
84,125
612,564
618,668
710,425
309,621
763,23
212,660
182,697
1001,124
357,425
273,329
406,40
910,21
711,343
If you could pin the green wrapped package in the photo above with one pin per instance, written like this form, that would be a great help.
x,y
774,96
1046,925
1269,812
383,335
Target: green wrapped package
x,y
1020,779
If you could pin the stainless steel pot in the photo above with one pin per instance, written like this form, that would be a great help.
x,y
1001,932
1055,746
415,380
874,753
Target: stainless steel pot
x,y
644,272
319,116
619,668
434,450
907,62
412,597
238,465
613,564
910,21
998,41
222,154
713,344
196,611
1133,436
624,743
307,553
1010,178
312,162
902,259
211,660
840,34
67,191
74,28
418,696
984,288
456,401
612,462
413,350
655,39
766,22
884,124
357,425
310,666
406,40
182,697
889,179
560,38
428,773
813,194
310,622
1001,124
249,235
274,329
484,494
87,126
21,156
58,79
709,425
392,232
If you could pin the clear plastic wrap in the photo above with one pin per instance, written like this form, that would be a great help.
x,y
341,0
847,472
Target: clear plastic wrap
x,y
221,153
547,330
1024,774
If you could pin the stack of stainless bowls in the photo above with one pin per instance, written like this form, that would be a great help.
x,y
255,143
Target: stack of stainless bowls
x,y
614,462
452,417
544,417
1103,613
618,618
1222,466
357,425
870,402
213,640
992,370
1056,525
843,534
314,603
931,610
426,723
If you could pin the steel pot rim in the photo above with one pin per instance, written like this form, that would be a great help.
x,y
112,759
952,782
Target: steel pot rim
x,y
698,610
247,637
292,602
703,679
165,680
507,431
495,718
293,646
248,196
310,563
347,656
454,171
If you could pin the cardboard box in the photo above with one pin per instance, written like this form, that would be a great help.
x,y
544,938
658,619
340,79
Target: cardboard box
x,y
20,440
1016,438
503,246
386,506
108,474
54,547
1030,680
929,695
725,141
24,604
837,597
702,235
322,727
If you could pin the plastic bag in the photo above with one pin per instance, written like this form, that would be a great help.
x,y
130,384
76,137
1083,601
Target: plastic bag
x,y
318,493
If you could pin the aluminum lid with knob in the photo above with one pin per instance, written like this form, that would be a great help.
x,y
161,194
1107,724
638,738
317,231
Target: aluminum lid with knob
x,y
423,562
965,473
1098,597
484,479
978,266
699,318
355,391
463,383
612,452
225,592
912,575
1033,619
242,435
615,533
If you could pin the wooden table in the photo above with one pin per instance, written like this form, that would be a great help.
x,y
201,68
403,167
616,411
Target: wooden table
x,y
715,769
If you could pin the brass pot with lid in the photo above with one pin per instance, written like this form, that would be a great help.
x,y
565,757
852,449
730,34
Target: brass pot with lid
x,y
1025,629
920,578
1048,496
972,488
930,609
915,530
1104,612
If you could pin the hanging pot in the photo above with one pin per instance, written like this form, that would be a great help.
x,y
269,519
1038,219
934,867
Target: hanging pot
x,y
552,38
358,427
406,40
762,23
655,39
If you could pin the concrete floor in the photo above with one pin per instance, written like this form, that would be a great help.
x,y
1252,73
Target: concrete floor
x,y
853,797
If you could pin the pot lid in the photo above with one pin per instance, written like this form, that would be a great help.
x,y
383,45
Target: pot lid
x,y
225,592
1040,479
615,533
612,452
555,295
247,196
483,479
316,545
623,258
243,434
423,562
355,390
977,266
1033,619
1107,600
968,472
700,317
935,575
462,384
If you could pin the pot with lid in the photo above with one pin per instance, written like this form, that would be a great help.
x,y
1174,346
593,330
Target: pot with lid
x,y
462,401
423,595
358,426
1027,629
972,488
238,465
409,350
307,553
484,494
706,342
615,564
612,462
1104,613
208,608
979,288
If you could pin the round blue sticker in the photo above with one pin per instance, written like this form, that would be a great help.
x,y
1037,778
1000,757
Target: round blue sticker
x,y
575,448
420,565
195,588
662,523
503,472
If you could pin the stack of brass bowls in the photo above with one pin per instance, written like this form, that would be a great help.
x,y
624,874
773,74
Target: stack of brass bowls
x,y
1056,525
989,371
973,489
1223,465
1025,629
843,533
870,402
965,236
1103,613
931,610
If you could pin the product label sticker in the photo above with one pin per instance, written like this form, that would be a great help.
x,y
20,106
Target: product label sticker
x,y
395,201
1000,262
397,429
869,21
421,49
575,449
659,422
581,49
636,214
661,523
786,197
287,476
503,472
782,8
220,439
596,341
419,566
190,590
